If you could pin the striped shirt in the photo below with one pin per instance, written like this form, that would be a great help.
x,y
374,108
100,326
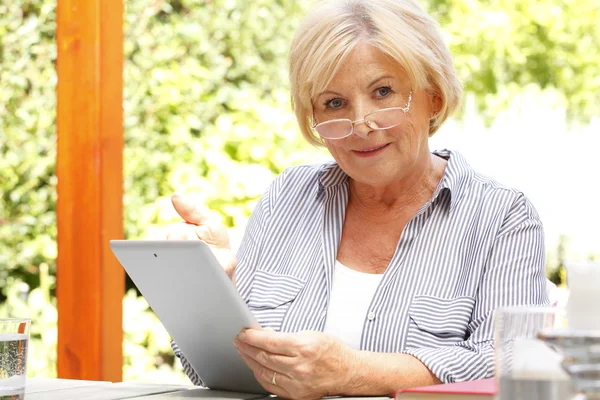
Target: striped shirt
x,y
474,246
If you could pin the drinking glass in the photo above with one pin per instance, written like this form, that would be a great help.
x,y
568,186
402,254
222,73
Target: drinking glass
x,y
526,367
14,337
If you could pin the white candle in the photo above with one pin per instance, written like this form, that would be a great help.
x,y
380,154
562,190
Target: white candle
x,y
583,306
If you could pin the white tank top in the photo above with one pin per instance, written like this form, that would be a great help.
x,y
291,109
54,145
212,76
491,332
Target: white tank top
x,y
351,296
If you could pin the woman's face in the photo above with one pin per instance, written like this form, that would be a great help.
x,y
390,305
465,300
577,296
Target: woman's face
x,y
366,82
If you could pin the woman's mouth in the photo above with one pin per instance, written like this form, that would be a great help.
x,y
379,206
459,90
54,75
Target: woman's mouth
x,y
371,151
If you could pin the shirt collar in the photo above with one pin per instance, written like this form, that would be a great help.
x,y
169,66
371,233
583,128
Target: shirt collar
x,y
332,175
456,176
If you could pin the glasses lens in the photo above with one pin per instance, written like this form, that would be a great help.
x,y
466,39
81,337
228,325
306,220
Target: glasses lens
x,y
336,129
385,119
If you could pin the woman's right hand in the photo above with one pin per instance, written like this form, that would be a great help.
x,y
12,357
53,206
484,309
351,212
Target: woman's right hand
x,y
198,226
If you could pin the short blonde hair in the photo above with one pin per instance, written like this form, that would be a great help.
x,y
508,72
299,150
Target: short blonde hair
x,y
402,29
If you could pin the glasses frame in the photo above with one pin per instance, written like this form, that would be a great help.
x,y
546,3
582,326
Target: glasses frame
x,y
360,121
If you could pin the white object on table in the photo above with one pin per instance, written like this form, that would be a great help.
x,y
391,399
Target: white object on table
x,y
583,306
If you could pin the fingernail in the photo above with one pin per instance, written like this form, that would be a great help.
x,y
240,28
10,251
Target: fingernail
x,y
236,342
242,336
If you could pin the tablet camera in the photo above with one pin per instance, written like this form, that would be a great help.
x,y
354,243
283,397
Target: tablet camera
x,y
155,255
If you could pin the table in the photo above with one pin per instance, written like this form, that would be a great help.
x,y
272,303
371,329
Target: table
x,y
69,389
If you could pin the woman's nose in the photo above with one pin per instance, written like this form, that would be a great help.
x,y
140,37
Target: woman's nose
x,y
361,129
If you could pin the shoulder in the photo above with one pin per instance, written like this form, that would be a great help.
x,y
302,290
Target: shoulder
x,y
508,198
295,183
480,192
321,174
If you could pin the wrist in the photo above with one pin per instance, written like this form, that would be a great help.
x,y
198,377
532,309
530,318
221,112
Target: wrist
x,y
348,378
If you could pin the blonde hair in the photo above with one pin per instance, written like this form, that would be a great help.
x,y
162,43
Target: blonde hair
x,y
399,28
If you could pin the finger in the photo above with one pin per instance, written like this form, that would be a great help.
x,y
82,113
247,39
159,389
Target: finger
x,y
273,342
227,260
213,233
276,362
187,209
181,232
264,376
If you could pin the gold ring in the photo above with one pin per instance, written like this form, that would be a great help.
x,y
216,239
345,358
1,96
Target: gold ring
x,y
273,381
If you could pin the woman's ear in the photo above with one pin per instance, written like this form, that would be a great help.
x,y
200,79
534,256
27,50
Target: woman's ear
x,y
436,104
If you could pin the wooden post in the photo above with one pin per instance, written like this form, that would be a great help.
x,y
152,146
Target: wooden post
x,y
90,281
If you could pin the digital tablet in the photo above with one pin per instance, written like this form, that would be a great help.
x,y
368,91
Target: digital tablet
x,y
197,303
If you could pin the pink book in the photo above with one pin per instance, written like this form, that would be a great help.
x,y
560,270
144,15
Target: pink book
x,y
483,389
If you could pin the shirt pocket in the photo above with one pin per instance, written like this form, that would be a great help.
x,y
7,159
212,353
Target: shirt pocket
x,y
438,322
271,296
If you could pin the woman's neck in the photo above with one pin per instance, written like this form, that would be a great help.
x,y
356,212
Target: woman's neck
x,y
403,195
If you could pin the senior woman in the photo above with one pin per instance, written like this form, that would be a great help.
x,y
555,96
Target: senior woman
x,y
382,269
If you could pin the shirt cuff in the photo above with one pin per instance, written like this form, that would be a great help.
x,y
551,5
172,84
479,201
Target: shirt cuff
x,y
459,363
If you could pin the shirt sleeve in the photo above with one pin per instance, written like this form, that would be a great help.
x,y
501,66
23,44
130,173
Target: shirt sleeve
x,y
247,258
187,368
251,246
514,275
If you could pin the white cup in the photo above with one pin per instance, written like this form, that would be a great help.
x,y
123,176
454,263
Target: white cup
x,y
583,306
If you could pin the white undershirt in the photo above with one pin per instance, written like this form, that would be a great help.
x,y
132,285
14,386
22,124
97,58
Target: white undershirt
x,y
349,303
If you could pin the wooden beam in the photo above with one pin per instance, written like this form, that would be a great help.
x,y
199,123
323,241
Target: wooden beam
x,y
90,282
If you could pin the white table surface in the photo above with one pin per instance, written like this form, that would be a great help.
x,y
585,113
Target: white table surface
x,y
69,389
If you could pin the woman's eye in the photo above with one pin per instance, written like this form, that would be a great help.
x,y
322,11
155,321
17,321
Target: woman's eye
x,y
383,91
334,103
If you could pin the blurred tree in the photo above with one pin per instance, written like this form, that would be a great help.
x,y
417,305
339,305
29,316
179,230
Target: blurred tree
x,y
206,104
27,140
501,45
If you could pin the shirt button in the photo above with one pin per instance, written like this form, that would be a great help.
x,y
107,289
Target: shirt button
x,y
324,313
371,316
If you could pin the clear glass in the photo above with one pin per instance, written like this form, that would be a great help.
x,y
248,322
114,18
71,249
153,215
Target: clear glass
x,y
526,367
378,120
386,118
14,338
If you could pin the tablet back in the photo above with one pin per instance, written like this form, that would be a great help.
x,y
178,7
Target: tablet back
x,y
196,302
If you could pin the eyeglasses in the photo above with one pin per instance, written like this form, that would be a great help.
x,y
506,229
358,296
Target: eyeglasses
x,y
379,120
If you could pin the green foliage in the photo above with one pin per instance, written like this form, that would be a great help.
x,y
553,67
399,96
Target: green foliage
x,y
206,104
501,46
557,272
40,306
27,140
207,111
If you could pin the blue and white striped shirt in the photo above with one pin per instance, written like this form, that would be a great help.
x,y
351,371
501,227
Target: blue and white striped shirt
x,y
475,246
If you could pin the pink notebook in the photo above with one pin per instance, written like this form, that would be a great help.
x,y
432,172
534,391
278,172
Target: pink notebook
x,y
483,389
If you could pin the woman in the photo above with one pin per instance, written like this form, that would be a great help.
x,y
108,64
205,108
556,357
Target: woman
x,y
382,269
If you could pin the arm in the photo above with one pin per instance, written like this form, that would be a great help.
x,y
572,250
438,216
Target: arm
x,y
242,274
384,373
514,275
245,264
309,364
187,368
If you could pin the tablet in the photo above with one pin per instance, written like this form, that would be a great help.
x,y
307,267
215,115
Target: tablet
x,y
197,303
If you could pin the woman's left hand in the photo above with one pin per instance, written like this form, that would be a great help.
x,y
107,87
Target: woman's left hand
x,y
303,365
